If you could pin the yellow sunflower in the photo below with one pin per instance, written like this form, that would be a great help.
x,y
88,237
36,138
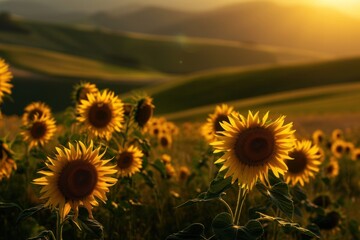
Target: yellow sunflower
x,y
101,114
212,125
318,137
332,168
5,78
166,158
304,163
338,148
82,89
170,170
165,140
252,146
39,131
7,164
336,134
355,155
321,153
129,161
35,108
77,176
349,148
144,111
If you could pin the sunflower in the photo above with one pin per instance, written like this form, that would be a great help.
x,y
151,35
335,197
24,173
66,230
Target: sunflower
x,y
166,158
336,134
355,155
322,200
129,161
338,148
5,78
252,146
318,137
349,148
101,114
304,163
212,125
35,108
165,140
7,163
39,131
321,153
329,222
82,89
332,168
184,173
74,178
170,170
144,111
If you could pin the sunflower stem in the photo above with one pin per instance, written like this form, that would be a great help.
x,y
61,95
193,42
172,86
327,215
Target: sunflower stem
x,y
228,207
237,203
59,226
243,197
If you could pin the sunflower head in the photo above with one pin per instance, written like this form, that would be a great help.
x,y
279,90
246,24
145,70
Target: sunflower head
x,y
329,222
129,161
81,91
101,114
213,122
349,148
144,111
304,163
40,131
35,108
76,176
332,168
5,78
338,148
252,146
7,163
322,200
165,140
337,134
355,155
170,170
318,137
184,173
166,158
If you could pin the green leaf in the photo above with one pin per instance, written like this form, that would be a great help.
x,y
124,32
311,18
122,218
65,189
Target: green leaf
x,y
225,229
159,165
354,229
202,197
193,232
92,227
288,226
29,212
298,193
46,234
281,198
9,205
219,184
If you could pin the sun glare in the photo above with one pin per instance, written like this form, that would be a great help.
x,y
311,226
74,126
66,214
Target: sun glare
x,y
340,3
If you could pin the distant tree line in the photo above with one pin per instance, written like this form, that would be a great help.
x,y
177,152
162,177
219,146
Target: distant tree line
x,y
8,24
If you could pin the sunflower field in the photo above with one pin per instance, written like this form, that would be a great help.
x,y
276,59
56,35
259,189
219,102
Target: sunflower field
x,y
109,168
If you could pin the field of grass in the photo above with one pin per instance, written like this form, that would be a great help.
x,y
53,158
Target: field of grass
x,y
240,84
176,55
55,64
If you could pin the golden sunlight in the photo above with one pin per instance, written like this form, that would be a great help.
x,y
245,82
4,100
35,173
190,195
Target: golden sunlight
x,y
344,4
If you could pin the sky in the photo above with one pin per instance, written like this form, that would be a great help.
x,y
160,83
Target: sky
x,y
347,6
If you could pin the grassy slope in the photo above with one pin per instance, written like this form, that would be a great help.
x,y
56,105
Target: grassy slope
x,y
336,98
239,84
163,54
56,64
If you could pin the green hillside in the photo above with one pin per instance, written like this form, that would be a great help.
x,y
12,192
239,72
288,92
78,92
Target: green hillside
x,y
54,64
238,84
176,55
337,98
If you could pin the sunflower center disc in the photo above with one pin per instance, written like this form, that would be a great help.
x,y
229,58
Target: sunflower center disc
x,y
100,115
218,120
33,113
143,114
298,164
38,130
164,141
330,169
255,146
339,149
77,180
124,160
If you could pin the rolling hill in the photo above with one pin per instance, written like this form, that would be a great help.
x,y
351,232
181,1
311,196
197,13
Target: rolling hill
x,y
241,84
